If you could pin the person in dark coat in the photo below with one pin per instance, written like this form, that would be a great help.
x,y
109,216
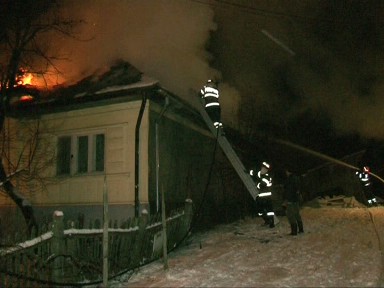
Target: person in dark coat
x,y
292,202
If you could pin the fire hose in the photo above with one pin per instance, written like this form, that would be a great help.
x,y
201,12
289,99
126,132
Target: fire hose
x,y
323,156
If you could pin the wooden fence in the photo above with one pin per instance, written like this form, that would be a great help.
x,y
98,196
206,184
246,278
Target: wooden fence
x,y
68,256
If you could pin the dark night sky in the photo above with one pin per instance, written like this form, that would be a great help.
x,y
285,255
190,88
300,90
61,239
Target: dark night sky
x,y
324,93
330,87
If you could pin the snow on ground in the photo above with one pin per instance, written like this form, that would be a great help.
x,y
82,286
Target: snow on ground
x,y
341,247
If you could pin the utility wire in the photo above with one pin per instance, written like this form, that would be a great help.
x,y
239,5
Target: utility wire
x,y
259,11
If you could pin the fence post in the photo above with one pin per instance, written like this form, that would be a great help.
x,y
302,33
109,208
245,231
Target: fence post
x,y
57,245
188,214
139,249
188,211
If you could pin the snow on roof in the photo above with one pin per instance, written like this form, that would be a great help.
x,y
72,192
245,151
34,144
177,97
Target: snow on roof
x,y
146,81
80,95
121,76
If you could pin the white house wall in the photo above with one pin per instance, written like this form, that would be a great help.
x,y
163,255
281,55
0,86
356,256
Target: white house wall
x,y
117,122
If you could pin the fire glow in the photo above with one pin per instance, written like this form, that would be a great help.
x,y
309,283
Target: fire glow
x,y
26,98
26,79
42,82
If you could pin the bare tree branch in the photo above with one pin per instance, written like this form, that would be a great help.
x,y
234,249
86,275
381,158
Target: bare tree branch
x,y
23,25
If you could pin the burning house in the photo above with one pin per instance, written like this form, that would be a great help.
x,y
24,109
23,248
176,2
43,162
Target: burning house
x,y
123,132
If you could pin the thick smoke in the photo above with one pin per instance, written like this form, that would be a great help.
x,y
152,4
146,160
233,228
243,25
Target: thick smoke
x,y
336,71
164,39
344,62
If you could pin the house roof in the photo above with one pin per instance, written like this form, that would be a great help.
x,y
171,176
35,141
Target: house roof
x,y
121,83
122,79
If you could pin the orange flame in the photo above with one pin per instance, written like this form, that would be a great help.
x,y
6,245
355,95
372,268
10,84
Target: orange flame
x,y
23,77
42,81
26,79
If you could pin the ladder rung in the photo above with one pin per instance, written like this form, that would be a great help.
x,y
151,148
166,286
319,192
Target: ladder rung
x,y
231,155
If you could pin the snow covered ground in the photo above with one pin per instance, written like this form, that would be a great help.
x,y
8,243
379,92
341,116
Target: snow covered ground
x,y
341,247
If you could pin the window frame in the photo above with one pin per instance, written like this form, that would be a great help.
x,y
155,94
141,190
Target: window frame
x,y
61,150
91,153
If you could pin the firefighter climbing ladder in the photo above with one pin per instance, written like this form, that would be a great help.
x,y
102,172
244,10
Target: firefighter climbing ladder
x,y
231,155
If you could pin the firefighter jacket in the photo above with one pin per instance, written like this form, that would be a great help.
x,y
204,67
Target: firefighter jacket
x,y
365,181
364,178
264,184
210,94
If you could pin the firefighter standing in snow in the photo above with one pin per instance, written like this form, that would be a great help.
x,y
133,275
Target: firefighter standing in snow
x,y
366,183
210,94
264,198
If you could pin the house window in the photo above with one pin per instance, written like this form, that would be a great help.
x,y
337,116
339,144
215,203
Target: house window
x,y
80,154
99,152
64,156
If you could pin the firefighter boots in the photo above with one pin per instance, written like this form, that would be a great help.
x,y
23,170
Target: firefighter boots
x,y
271,222
300,226
293,229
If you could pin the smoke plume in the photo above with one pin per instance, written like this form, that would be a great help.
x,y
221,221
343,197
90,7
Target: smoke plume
x,y
164,39
334,70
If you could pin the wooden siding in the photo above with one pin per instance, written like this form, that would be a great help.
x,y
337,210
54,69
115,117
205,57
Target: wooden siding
x,y
117,122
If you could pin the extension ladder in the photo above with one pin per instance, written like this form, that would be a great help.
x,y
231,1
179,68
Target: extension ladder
x,y
230,153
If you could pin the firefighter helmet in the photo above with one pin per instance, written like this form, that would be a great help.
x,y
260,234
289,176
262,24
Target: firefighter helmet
x,y
212,83
266,165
